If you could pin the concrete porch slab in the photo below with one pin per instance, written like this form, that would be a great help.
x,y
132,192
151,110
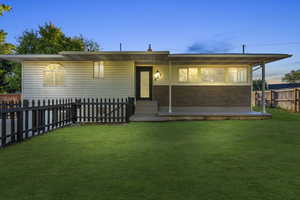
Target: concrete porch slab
x,y
214,115
190,116
147,118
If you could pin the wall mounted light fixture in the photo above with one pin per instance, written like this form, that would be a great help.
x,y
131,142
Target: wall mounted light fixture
x,y
157,75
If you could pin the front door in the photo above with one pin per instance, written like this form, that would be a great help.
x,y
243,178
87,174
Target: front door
x,y
143,83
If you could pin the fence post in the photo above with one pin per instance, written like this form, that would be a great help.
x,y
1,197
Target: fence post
x,y
295,100
272,98
127,110
131,104
33,119
19,125
74,111
3,130
298,100
25,105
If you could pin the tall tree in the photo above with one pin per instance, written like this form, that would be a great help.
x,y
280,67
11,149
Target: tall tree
x,y
292,77
9,71
49,39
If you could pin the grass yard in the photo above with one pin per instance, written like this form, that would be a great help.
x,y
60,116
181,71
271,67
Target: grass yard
x,y
210,160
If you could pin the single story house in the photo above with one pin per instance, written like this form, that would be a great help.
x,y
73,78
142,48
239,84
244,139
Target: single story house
x,y
175,82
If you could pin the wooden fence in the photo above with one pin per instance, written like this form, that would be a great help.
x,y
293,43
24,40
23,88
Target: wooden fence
x,y
288,99
10,97
23,120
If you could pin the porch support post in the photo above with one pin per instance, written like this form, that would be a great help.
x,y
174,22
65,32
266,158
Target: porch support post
x,y
263,85
170,86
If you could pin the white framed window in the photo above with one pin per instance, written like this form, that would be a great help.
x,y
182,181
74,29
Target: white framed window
x,y
237,75
213,75
193,74
54,75
188,74
99,70
183,74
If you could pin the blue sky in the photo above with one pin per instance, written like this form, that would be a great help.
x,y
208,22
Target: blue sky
x,y
265,26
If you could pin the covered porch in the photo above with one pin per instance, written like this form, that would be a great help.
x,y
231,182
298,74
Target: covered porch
x,y
171,90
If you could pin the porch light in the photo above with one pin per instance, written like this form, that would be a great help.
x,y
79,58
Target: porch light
x,y
157,75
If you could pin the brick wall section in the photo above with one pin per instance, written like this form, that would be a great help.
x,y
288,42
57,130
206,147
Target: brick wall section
x,y
204,95
161,95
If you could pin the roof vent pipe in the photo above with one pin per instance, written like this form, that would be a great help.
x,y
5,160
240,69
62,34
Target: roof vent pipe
x,y
149,48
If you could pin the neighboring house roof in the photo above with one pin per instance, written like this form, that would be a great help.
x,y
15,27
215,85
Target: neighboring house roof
x,y
283,86
152,56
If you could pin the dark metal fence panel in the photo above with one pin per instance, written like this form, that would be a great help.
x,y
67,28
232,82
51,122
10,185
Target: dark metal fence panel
x,y
23,120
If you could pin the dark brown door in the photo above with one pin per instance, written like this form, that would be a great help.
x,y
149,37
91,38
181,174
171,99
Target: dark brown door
x,y
143,83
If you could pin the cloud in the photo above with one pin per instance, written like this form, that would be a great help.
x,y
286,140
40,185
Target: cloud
x,y
210,47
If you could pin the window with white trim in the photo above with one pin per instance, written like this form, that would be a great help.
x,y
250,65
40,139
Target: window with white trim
x,y
54,75
213,75
237,75
99,70
188,74
183,74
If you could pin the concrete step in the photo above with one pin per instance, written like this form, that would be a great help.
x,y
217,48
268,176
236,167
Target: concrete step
x,y
146,103
146,107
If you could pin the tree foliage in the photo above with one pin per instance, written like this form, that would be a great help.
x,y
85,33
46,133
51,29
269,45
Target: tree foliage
x,y
5,48
292,77
10,72
49,39
257,85
4,8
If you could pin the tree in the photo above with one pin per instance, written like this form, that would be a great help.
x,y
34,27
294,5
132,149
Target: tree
x,y
292,77
5,48
9,71
49,39
4,8
90,45
257,85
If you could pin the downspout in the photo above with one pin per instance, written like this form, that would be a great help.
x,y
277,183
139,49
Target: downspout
x,y
22,80
170,87
263,78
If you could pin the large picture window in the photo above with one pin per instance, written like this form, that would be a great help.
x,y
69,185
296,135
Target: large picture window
x,y
53,75
188,74
213,75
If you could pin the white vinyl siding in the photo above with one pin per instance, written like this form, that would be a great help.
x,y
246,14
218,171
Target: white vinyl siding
x,y
79,80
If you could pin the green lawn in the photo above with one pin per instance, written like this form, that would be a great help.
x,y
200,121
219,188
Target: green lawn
x,y
211,160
